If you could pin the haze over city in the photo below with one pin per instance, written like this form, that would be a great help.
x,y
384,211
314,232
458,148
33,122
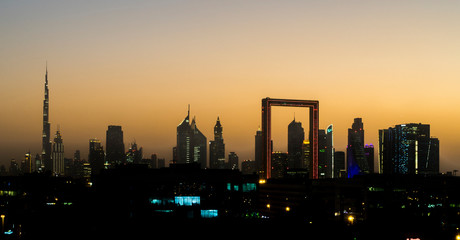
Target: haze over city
x,y
139,64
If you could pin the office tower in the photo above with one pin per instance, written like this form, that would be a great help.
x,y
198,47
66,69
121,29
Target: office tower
x,y
217,148
356,161
14,168
322,163
258,151
280,161
96,156
191,143
58,155
199,145
233,161
46,133
306,156
184,149
296,136
134,155
161,163
114,146
325,153
408,149
27,168
38,163
369,156
339,165
329,152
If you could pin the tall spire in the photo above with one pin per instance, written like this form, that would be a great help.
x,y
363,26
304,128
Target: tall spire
x,y
46,135
188,114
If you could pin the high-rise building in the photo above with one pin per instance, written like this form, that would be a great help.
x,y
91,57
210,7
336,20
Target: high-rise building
x,y
325,153
199,145
339,165
46,133
96,156
258,151
408,149
248,167
134,155
280,161
296,136
369,155
184,149
58,155
306,156
233,161
27,163
217,148
114,146
191,143
38,163
356,161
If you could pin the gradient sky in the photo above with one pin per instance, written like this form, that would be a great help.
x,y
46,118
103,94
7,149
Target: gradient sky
x,y
139,64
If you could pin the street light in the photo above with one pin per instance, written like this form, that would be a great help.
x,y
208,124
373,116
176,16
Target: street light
x,y
351,219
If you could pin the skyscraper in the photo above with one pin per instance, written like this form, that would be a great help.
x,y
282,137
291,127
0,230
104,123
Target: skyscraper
x,y
369,155
296,136
325,153
114,146
58,155
217,148
191,143
258,151
408,149
184,141
96,156
46,141
199,144
233,161
356,161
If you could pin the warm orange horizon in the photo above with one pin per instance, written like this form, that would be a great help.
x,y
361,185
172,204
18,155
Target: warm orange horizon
x,y
140,64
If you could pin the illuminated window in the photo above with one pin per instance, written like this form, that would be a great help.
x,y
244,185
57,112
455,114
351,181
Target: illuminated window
x,y
247,187
209,213
187,200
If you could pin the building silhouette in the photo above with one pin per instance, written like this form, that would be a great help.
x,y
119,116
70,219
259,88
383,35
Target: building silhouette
x,y
233,161
46,133
114,146
258,150
217,148
408,149
339,165
58,155
134,154
191,143
369,155
296,136
356,160
96,156
199,145
325,153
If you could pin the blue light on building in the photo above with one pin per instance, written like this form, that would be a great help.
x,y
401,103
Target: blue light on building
x,y
209,213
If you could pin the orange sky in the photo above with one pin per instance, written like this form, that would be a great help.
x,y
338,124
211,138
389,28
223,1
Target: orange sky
x,y
140,63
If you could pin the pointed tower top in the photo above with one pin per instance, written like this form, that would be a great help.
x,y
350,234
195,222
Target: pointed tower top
x,y
188,114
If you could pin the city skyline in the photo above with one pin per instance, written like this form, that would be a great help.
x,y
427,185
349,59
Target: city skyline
x,y
403,72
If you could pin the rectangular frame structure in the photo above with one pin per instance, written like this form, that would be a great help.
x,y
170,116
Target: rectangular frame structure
x,y
267,103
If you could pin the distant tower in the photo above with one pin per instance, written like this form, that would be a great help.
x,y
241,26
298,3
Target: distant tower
x,y
217,148
114,146
233,161
199,144
296,136
191,143
258,150
184,149
96,156
58,155
46,141
356,160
